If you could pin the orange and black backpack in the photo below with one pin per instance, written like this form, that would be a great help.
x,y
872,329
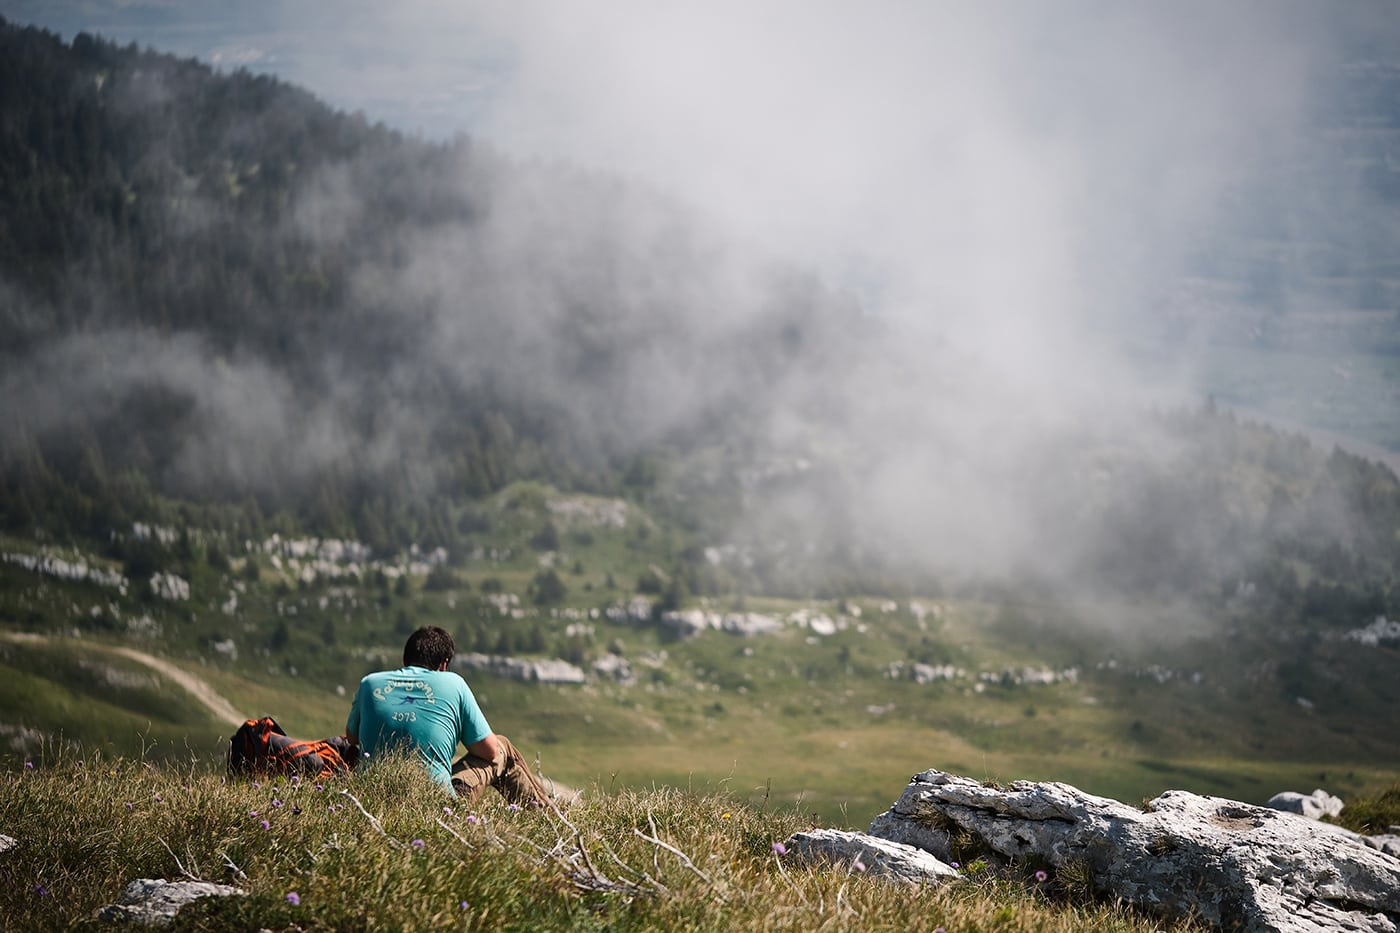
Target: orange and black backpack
x,y
260,747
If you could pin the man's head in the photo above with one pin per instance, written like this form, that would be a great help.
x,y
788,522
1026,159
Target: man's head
x,y
429,647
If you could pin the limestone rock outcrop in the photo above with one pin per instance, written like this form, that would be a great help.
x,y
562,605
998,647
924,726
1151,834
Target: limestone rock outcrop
x,y
542,671
155,901
1231,864
869,855
1389,843
1314,806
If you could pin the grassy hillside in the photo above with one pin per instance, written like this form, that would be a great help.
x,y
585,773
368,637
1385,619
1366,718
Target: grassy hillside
x,y
386,850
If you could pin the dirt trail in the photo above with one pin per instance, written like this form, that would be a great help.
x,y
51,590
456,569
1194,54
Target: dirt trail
x,y
196,687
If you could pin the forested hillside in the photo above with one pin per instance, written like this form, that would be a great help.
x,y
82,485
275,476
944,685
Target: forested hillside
x,y
217,288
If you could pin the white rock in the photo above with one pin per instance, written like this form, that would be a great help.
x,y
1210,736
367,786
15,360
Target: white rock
x,y
546,671
155,901
1314,806
869,855
1382,629
750,623
615,668
169,586
1230,864
685,622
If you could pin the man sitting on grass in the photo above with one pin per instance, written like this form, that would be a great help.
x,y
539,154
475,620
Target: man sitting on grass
x,y
425,707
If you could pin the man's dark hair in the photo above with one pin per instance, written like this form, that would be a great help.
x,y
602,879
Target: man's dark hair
x,y
428,647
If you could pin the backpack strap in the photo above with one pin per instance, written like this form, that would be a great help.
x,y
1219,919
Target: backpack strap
x,y
248,749
318,756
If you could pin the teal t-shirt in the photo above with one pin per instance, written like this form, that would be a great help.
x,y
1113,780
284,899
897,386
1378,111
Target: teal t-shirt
x,y
428,711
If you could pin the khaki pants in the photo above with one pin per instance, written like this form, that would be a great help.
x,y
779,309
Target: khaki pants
x,y
511,776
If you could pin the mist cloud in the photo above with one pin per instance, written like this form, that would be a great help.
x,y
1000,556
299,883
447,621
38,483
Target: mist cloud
x,y
1008,187
1009,193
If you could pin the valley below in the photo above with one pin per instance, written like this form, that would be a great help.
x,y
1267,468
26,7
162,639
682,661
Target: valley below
x,y
827,705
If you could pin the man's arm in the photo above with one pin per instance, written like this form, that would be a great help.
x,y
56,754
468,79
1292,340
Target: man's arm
x,y
487,748
473,722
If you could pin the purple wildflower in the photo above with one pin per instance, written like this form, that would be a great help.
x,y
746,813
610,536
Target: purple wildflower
x,y
256,785
779,849
157,798
446,811
1041,876
276,804
859,865
130,805
264,824
40,890
296,778
294,898
514,808
253,814
320,787
955,864
29,765
418,844
465,905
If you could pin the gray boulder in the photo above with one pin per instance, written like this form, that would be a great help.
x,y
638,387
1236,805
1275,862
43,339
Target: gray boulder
x,y
543,671
1389,843
689,622
612,667
1231,864
877,858
1314,806
156,901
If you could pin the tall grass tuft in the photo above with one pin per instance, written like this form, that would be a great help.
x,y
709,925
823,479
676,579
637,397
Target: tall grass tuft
x,y
1373,815
386,849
